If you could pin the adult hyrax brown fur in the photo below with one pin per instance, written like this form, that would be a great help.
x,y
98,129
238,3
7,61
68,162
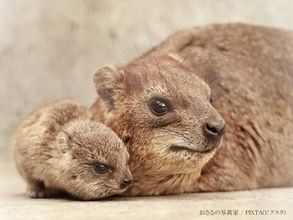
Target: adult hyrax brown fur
x,y
249,72
58,148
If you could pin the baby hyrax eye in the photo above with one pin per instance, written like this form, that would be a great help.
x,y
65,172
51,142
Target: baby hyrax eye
x,y
101,168
159,106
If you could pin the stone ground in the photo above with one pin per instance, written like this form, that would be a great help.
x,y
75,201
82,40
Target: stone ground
x,y
15,204
50,48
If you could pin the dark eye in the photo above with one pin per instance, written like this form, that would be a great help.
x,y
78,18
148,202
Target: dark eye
x,y
101,168
211,100
159,107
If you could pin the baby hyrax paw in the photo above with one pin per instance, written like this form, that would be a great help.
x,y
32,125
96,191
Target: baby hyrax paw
x,y
37,190
39,194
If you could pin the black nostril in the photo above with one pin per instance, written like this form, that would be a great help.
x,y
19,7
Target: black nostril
x,y
126,182
214,130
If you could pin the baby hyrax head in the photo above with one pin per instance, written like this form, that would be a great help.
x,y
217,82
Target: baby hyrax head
x,y
163,113
94,161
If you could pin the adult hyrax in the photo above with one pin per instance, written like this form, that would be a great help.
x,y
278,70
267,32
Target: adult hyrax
x,y
171,106
59,148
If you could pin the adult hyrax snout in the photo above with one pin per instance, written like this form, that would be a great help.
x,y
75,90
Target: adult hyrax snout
x,y
214,128
58,148
141,101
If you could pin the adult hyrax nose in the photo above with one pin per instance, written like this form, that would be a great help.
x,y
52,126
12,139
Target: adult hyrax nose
x,y
214,129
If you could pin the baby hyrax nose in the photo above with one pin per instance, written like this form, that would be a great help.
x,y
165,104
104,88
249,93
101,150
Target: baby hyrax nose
x,y
125,183
214,129
126,180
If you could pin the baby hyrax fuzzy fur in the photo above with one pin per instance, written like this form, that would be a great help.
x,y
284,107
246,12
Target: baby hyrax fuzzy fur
x,y
159,104
59,149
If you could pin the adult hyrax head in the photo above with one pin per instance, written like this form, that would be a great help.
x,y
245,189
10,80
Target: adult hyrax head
x,y
94,160
164,114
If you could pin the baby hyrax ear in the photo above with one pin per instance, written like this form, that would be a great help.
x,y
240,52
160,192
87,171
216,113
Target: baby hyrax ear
x,y
62,141
106,79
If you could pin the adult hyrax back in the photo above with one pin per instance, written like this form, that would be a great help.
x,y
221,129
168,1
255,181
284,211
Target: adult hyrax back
x,y
159,105
59,148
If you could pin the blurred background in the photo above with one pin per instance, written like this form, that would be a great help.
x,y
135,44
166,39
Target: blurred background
x,y
50,48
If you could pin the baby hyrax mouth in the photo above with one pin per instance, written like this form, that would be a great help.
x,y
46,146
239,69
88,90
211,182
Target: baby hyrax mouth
x,y
115,188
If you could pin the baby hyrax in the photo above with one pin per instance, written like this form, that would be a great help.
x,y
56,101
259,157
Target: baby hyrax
x,y
59,149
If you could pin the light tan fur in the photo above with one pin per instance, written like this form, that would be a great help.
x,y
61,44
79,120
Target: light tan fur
x,y
247,69
57,147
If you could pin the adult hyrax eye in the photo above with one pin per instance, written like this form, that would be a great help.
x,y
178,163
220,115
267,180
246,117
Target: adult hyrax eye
x,y
101,168
159,106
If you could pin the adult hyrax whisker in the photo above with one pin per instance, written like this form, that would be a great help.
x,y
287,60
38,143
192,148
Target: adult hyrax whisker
x,y
138,53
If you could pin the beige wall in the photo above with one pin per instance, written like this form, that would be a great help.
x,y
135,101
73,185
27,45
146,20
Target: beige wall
x,y
50,48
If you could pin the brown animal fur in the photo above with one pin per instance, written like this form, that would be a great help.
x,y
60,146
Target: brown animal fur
x,y
249,72
57,147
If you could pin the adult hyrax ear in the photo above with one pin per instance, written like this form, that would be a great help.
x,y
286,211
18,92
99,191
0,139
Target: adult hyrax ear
x,y
175,57
105,80
62,141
